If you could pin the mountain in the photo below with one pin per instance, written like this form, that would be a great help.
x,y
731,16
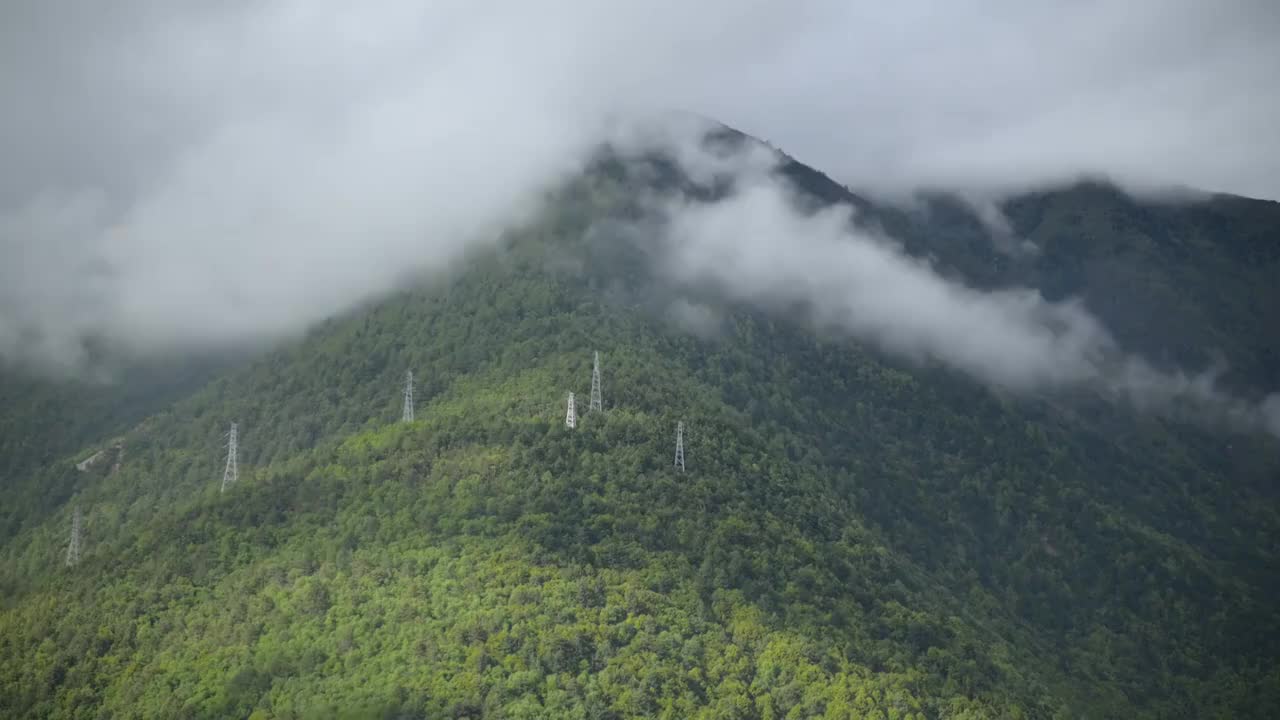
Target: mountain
x,y
854,535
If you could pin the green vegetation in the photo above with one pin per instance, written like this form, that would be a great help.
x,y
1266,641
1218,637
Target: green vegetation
x,y
47,424
853,537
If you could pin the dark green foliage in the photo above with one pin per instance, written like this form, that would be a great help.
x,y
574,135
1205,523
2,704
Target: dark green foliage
x,y
854,538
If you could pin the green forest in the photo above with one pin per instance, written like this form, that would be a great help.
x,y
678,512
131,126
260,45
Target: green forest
x,y
854,536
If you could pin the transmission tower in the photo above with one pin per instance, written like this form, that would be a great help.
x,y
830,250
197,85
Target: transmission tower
x,y
232,473
680,446
408,397
73,546
571,417
596,402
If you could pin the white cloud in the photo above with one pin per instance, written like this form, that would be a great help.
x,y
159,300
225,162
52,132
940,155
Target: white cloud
x,y
761,246
229,171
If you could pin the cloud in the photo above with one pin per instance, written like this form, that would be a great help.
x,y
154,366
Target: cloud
x,y
187,174
694,318
969,93
32,280
759,246
1271,409
234,172
762,246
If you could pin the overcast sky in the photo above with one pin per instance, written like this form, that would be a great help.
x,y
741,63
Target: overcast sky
x,y
1179,91
200,172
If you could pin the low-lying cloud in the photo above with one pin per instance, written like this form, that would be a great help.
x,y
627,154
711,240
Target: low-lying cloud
x,y
179,176
761,245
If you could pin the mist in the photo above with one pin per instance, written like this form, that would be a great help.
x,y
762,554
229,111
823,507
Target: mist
x,y
180,178
763,245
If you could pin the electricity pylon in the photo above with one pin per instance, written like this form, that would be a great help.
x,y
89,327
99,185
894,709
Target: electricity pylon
x,y
680,446
597,404
73,546
408,397
571,417
232,473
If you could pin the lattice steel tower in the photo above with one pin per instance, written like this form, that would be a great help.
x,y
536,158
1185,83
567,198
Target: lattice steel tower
x,y
408,397
571,417
73,546
596,402
680,446
232,473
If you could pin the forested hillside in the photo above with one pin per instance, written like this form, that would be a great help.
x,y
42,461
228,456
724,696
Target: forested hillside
x,y
853,536
49,422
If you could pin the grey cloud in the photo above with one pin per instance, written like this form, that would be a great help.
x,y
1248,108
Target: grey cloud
x,y
998,227
53,279
1152,92
256,167
1271,408
228,171
760,246
695,318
